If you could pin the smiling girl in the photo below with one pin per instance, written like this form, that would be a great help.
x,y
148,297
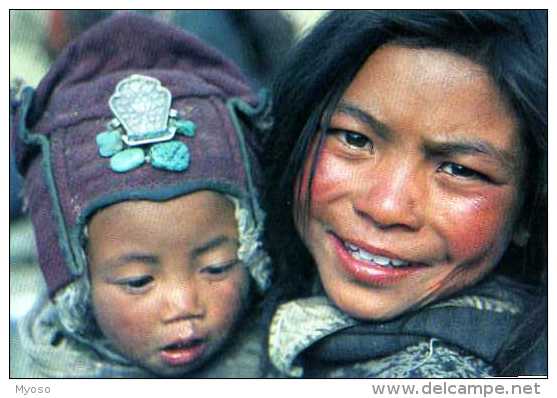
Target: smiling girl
x,y
138,151
413,164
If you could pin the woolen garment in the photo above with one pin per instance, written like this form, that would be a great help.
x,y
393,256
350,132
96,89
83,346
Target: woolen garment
x,y
455,337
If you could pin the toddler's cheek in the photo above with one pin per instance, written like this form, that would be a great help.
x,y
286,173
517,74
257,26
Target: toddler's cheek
x,y
230,304
120,324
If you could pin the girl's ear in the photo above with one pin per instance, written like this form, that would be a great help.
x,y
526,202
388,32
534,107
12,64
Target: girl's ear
x,y
521,235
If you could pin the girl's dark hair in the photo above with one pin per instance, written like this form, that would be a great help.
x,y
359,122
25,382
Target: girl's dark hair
x,y
511,45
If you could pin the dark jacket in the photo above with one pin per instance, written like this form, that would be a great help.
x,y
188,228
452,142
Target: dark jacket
x,y
456,337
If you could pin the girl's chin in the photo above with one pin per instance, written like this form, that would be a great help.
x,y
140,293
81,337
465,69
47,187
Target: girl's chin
x,y
371,304
365,313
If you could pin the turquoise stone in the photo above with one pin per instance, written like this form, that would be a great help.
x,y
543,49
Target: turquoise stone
x,y
127,160
109,143
171,155
186,127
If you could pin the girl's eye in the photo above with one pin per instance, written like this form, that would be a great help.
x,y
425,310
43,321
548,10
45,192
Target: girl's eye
x,y
136,284
355,140
461,171
352,139
219,269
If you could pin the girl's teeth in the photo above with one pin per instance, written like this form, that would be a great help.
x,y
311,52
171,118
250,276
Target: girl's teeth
x,y
381,260
361,254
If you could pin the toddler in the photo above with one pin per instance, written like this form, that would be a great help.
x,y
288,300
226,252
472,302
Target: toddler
x,y
139,160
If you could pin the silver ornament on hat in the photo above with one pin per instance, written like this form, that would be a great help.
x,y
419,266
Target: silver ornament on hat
x,y
142,105
144,127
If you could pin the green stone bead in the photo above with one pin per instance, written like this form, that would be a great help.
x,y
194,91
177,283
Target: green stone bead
x,y
186,127
109,143
127,160
172,155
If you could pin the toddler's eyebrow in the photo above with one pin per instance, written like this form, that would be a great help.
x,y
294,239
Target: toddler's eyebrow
x,y
212,244
133,257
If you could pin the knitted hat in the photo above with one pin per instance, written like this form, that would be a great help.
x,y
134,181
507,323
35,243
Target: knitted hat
x,y
135,109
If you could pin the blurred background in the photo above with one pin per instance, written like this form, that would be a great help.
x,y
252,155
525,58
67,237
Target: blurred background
x,y
255,40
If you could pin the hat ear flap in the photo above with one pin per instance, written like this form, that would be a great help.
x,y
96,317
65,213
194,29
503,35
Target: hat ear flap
x,y
261,115
24,144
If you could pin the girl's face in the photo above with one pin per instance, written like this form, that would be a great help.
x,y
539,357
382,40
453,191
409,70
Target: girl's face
x,y
166,281
417,187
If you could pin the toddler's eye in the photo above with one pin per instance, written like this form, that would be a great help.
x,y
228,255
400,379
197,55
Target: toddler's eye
x,y
219,269
138,284
461,171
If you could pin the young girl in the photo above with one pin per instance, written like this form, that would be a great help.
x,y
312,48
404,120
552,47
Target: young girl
x,y
140,177
410,155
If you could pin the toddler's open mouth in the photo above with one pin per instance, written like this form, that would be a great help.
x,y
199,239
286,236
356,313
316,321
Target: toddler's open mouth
x,y
183,351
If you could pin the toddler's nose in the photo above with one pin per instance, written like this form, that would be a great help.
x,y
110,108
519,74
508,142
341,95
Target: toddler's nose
x,y
182,302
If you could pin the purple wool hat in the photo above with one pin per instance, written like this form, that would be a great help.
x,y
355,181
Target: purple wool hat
x,y
181,119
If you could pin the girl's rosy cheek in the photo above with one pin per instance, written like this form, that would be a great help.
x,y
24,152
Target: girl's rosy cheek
x,y
478,225
330,178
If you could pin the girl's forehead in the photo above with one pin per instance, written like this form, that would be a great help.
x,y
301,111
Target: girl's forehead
x,y
427,74
429,87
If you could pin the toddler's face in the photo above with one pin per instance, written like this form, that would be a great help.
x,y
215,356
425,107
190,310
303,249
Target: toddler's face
x,y
167,285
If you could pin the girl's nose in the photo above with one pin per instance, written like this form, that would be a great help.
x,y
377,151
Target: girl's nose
x,y
392,195
181,302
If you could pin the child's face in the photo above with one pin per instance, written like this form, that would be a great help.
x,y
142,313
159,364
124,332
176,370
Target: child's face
x,y
167,284
417,187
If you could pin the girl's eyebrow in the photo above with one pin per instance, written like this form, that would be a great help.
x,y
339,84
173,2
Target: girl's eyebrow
x,y
459,146
366,118
211,244
467,146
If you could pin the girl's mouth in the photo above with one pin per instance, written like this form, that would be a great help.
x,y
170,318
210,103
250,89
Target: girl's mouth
x,y
360,254
183,352
372,266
